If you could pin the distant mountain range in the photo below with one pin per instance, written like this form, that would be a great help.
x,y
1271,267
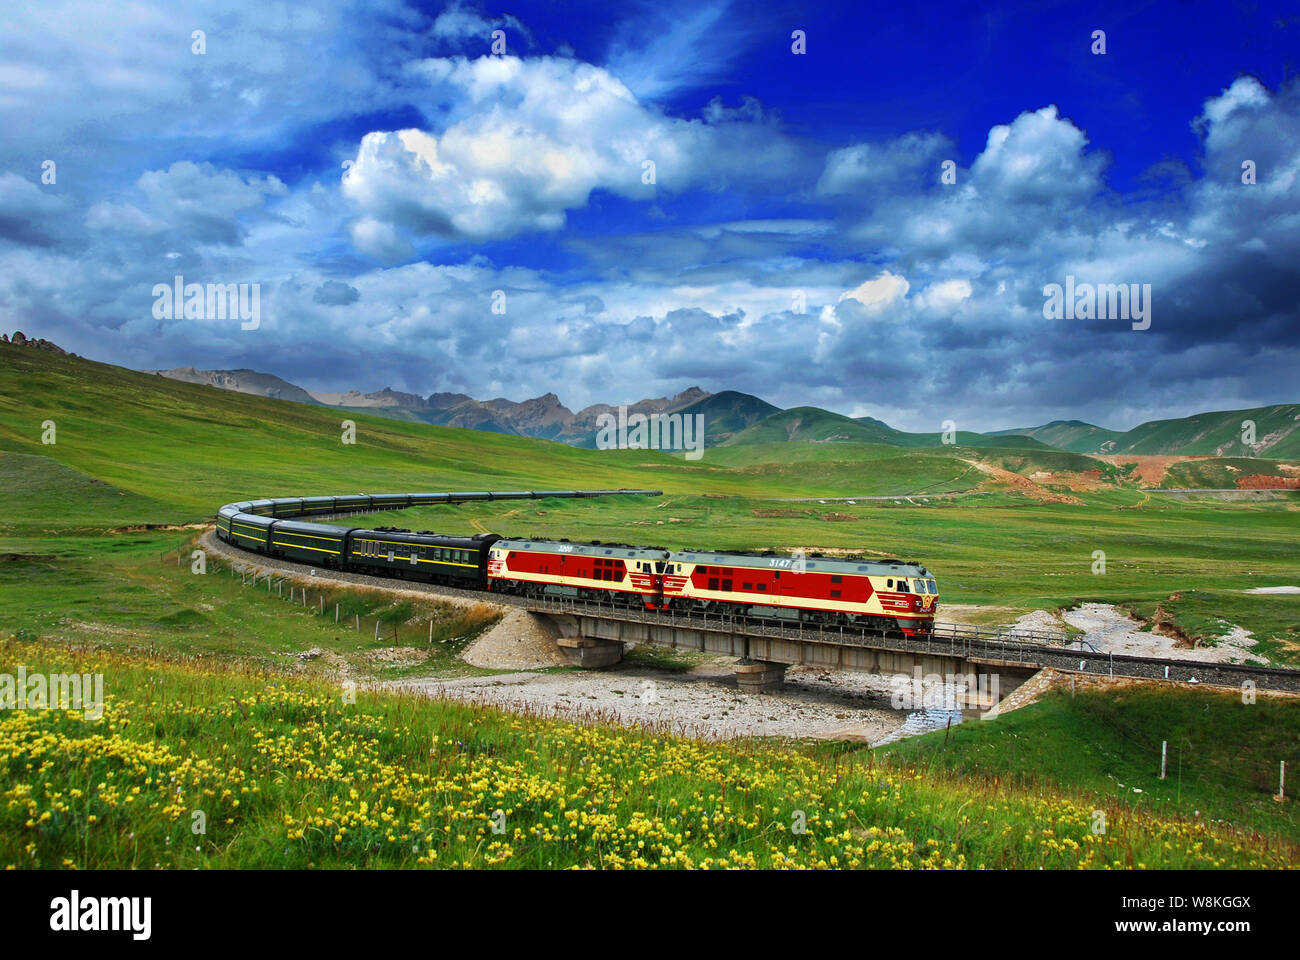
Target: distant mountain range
x,y
732,418
544,417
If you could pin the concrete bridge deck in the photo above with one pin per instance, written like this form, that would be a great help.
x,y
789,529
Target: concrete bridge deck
x,y
594,634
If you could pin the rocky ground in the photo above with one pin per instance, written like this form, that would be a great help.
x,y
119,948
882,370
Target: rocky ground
x,y
704,701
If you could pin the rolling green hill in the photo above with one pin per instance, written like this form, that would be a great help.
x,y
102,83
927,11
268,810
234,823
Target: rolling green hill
x,y
1219,434
813,425
1073,435
168,452
178,450
728,413
1215,434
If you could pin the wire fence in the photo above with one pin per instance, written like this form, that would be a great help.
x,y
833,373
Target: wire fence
x,y
332,602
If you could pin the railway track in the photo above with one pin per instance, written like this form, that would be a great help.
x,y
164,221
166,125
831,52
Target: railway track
x,y
1023,648
970,643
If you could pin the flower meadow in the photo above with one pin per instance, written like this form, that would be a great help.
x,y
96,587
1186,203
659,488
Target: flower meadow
x,y
203,763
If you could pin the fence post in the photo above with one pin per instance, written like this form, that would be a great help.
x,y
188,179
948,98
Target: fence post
x,y
1281,781
431,631
358,627
336,613
376,628
1164,752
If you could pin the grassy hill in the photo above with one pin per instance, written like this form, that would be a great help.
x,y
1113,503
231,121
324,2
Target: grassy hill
x,y
1072,435
728,413
192,448
1277,434
1215,433
812,425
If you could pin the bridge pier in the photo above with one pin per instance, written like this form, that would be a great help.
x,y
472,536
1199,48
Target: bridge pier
x,y
590,652
758,676
596,638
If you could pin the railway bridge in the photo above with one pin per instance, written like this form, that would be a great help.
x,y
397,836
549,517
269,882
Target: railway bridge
x,y
989,663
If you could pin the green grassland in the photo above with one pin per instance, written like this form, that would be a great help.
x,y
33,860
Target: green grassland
x,y
211,685
1222,763
135,449
128,591
216,765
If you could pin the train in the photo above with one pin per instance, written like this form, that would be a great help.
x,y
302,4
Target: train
x,y
877,593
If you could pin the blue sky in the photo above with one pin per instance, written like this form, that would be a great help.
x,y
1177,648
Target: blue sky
x,y
381,174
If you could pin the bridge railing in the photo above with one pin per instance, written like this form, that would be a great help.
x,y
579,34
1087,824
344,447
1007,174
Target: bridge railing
x,y
951,639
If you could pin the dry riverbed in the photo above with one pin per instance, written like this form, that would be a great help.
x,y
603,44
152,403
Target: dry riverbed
x,y
701,702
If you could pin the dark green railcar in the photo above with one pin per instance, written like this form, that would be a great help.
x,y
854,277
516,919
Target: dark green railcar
x,y
317,543
421,556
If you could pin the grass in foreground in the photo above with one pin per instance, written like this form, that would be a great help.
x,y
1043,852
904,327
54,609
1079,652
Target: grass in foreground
x,y
280,773
127,591
1223,754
